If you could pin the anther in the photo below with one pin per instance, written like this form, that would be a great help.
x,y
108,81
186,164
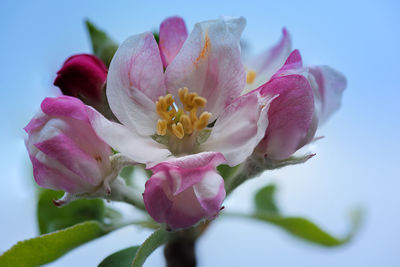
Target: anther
x,y
178,131
187,124
169,99
182,92
203,121
251,76
199,101
162,127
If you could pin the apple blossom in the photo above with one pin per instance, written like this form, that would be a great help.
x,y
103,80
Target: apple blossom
x,y
291,115
204,82
301,106
82,76
181,191
194,106
65,151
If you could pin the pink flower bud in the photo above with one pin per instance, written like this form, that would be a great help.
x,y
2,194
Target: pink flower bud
x,y
185,190
292,122
65,151
83,76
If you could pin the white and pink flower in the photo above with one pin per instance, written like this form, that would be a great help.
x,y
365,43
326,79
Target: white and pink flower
x,y
186,106
183,191
194,106
65,151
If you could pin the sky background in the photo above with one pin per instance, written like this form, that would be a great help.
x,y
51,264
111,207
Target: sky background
x,y
357,163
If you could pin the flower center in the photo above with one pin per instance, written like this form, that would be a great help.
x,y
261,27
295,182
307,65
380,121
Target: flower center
x,y
181,121
251,76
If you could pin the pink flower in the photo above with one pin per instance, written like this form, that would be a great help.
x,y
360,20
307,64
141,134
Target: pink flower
x,y
291,115
307,97
65,151
183,191
194,106
206,105
171,113
83,76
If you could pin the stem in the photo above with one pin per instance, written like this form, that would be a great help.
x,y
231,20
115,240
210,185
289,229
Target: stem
x,y
255,165
249,169
180,250
121,192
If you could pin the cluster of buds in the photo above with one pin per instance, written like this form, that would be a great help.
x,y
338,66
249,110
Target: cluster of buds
x,y
182,107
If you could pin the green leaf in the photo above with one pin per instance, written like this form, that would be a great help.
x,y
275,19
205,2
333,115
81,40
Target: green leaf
x,y
47,248
122,258
103,46
155,240
52,218
267,211
306,230
265,199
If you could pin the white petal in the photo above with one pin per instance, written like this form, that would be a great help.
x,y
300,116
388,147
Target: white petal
x,y
240,128
209,64
135,81
139,148
269,62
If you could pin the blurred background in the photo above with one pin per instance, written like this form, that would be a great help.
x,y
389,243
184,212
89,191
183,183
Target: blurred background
x,y
356,163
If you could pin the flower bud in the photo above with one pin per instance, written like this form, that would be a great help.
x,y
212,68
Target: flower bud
x,y
184,191
65,151
83,76
291,119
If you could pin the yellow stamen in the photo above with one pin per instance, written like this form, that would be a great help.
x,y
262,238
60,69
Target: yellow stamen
x,y
187,124
203,121
178,131
251,76
200,101
162,127
184,120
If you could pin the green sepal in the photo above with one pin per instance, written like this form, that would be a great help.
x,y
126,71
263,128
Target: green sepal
x,y
226,171
156,37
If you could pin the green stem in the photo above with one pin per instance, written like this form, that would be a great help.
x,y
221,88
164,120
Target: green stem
x,y
121,192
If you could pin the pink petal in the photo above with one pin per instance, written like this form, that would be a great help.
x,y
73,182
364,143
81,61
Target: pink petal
x,y
240,127
173,34
270,61
184,191
210,192
64,149
293,65
135,81
156,198
142,149
189,167
329,87
37,121
65,106
290,115
209,64
57,178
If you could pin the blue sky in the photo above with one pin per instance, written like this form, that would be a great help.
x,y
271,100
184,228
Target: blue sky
x,y
356,162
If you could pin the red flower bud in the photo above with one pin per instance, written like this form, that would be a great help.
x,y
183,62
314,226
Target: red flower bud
x,y
82,76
